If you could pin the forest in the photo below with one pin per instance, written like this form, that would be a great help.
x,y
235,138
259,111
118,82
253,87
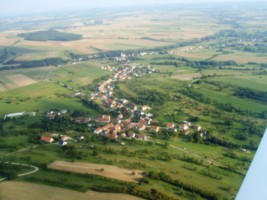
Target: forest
x,y
50,35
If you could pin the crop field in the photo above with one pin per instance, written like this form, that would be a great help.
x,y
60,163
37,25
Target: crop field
x,y
21,80
29,191
100,170
120,33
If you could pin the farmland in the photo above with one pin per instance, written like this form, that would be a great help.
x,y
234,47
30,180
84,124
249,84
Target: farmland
x,y
159,104
101,170
25,191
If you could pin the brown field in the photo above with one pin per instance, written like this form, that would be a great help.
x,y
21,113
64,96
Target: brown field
x,y
28,191
108,171
21,80
186,77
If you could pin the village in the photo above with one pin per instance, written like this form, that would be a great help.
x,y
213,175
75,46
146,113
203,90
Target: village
x,y
138,124
139,121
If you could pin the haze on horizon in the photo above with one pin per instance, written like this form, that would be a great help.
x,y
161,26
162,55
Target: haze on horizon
x,y
13,7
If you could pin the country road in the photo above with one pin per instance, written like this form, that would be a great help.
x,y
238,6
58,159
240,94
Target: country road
x,y
35,169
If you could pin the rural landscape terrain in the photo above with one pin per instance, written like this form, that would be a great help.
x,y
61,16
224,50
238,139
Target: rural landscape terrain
x,y
157,103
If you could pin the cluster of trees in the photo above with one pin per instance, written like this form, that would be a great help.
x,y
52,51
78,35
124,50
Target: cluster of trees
x,y
210,139
70,151
150,97
9,52
50,35
206,63
251,94
211,175
9,171
228,107
177,183
231,154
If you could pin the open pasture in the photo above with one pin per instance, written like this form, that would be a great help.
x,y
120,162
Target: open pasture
x,y
108,171
243,57
257,82
187,77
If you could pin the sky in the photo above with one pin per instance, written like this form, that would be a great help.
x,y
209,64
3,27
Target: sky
x,y
13,7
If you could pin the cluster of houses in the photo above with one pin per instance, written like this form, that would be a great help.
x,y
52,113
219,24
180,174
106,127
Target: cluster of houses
x,y
104,92
125,57
117,127
61,140
52,114
189,49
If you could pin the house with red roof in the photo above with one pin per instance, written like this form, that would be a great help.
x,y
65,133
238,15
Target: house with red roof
x,y
170,125
140,127
155,128
46,139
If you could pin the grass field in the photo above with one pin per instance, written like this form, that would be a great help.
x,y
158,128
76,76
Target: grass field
x,y
48,93
38,97
196,53
28,191
257,82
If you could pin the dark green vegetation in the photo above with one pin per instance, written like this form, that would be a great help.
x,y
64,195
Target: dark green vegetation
x,y
10,171
33,63
220,87
50,35
7,53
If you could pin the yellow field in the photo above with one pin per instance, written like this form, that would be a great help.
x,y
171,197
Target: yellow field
x,y
108,171
28,191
